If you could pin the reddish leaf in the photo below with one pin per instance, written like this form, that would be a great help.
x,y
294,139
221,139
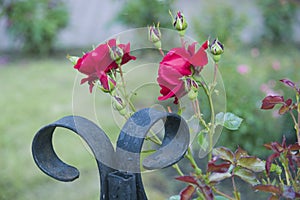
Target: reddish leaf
x,y
268,188
294,147
187,192
223,167
270,101
268,146
240,153
288,83
252,163
270,160
276,147
187,179
283,109
224,153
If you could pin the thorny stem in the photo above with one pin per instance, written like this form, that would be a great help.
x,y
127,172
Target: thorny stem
x,y
211,129
235,191
190,157
124,89
286,171
182,41
296,124
161,52
222,194
215,74
177,168
198,113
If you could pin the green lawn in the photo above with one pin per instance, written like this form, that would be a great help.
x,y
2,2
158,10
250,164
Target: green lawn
x,y
33,94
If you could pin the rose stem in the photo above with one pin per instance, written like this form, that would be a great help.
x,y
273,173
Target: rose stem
x,y
161,52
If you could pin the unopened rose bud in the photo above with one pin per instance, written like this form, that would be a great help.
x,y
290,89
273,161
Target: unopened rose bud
x,y
192,94
180,23
216,49
116,54
118,103
191,87
154,35
191,84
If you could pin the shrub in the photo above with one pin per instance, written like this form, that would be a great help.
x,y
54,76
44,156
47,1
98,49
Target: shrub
x,y
278,21
219,21
35,22
136,13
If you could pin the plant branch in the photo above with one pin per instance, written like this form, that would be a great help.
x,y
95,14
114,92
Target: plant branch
x,y
222,194
190,157
235,191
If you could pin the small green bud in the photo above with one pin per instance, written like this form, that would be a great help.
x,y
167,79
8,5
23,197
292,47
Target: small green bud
x,y
116,54
118,104
216,58
192,94
154,35
216,49
180,23
191,86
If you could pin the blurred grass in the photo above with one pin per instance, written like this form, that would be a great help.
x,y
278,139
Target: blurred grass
x,y
37,92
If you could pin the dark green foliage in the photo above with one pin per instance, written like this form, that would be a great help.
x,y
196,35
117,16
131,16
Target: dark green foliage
x,y
137,13
279,17
220,22
35,23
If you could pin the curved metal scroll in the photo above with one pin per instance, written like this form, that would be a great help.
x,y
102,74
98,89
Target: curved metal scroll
x,y
122,165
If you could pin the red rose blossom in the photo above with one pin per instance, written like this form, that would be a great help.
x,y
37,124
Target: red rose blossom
x,y
177,64
98,62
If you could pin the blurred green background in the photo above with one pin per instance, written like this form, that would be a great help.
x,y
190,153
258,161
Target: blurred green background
x,y
262,45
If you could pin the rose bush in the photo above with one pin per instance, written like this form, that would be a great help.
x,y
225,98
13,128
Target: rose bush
x,y
179,74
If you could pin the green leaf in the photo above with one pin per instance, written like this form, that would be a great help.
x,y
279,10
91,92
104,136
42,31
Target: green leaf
x,y
228,120
217,177
246,175
252,163
223,153
175,197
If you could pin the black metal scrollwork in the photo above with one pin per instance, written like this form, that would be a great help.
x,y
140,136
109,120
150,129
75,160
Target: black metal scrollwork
x,y
119,170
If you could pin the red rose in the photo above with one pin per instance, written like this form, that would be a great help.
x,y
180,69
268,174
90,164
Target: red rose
x,y
98,62
177,64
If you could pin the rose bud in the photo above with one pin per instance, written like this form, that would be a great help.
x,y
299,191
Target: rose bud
x,y
191,86
154,35
216,49
116,54
180,23
119,105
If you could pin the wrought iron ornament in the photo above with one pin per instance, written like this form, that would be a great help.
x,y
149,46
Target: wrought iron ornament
x,y
119,170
